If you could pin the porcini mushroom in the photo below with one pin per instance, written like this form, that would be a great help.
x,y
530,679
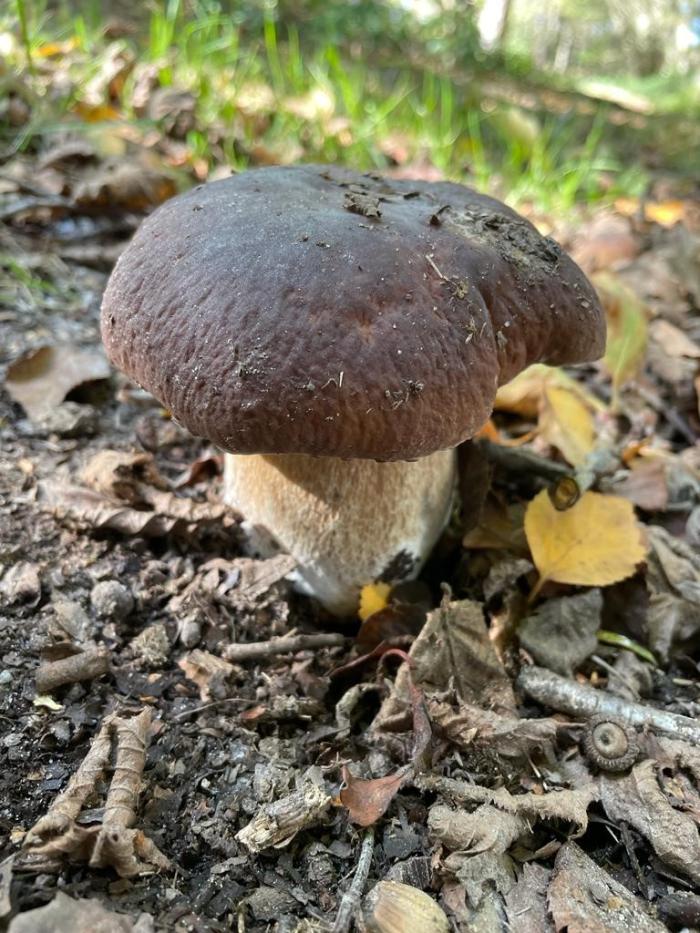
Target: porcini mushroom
x,y
338,335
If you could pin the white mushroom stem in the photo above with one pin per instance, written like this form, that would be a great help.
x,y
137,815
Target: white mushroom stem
x,y
346,522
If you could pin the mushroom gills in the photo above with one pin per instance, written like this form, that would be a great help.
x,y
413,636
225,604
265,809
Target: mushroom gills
x,y
346,522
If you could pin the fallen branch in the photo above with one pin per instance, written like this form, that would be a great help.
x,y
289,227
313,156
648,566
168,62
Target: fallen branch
x,y
568,696
277,823
350,901
287,645
86,665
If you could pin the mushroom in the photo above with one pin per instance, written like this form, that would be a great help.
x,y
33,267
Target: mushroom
x,y
338,335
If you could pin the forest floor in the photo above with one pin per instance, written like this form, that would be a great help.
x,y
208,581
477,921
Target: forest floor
x,y
516,735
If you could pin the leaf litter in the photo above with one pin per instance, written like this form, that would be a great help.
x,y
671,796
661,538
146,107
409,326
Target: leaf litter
x,y
467,761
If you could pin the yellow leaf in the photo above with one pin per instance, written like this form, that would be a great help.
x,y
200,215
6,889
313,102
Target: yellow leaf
x,y
524,394
95,113
566,422
626,316
665,213
595,543
373,598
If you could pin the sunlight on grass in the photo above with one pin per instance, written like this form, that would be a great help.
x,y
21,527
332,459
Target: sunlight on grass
x,y
265,96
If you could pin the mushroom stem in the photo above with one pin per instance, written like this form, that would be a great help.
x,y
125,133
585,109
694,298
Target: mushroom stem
x,y
346,522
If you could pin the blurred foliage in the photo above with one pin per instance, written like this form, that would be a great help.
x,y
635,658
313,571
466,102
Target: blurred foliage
x,y
372,83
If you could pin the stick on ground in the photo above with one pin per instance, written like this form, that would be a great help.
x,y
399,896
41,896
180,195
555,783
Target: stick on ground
x,y
265,649
568,696
87,665
351,899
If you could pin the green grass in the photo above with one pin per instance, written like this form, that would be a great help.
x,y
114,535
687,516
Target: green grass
x,y
552,159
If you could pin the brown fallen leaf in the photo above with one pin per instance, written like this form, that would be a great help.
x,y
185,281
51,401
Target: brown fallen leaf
x,y
673,340
487,734
367,801
41,380
637,798
167,515
526,902
127,186
561,633
645,485
604,243
583,898
452,651
594,543
205,670
499,526
122,474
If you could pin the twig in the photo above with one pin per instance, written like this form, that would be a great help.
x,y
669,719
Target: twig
x,y
278,822
568,696
351,899
178,717
264,649
518,460
87,665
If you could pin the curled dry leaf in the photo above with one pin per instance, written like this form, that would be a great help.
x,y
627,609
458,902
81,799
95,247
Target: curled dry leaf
x,y
41,380
491,734
114,842
595,543
128,496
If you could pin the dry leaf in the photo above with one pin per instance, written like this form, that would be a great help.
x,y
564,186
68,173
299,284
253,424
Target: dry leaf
x,y
490,735
526,906
452,651
499,527
606,241
367,801
563,408
638,799
566,422
561,633
204,669
626,317
645,485
595,543
42,380
373,598
583,898
673,340
126,186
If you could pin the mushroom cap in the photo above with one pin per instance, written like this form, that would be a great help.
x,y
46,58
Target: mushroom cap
x,y
312,309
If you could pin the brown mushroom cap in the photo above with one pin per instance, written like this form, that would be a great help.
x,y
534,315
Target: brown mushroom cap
x,y
315,310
